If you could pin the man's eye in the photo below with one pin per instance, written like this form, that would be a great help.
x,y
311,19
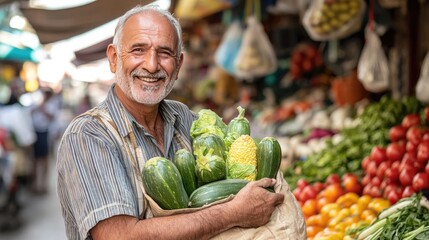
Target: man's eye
x,y
138,50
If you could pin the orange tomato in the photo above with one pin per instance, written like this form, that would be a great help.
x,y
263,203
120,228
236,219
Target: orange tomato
x,y
357,209
321,202
330,207
317,220
310,207
313,230
368,215
378,204
364,200
333,192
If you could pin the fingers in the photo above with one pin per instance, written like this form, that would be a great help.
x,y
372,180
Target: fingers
x,y
265,182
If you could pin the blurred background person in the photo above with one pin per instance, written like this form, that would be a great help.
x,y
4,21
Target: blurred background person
x,y
43,115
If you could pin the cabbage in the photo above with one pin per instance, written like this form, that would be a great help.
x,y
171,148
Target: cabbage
x,y
208,122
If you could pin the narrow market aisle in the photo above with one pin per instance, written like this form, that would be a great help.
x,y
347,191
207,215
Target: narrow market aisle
x,y
40,216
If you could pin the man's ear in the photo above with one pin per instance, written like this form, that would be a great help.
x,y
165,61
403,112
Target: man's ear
x,y
111,56
179,64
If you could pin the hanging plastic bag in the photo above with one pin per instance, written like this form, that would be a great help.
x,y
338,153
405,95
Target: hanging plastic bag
x,y
256,57
333,19
373,69
422,87
228,49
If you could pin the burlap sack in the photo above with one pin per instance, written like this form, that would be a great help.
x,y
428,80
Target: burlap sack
x,y
287,221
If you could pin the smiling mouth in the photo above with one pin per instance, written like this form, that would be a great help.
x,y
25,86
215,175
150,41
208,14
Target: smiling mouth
x,y
148,79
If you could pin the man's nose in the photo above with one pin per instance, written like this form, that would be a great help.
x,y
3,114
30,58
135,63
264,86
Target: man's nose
x,y
151,63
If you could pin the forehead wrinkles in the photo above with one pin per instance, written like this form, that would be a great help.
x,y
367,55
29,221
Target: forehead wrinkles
x,y
149,28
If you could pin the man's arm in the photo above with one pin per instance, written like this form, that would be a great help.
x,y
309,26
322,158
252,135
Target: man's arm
x,y
252,207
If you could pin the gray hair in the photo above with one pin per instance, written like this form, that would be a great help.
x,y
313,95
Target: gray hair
x,y
150,7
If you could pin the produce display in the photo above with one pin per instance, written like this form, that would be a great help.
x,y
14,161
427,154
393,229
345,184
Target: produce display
x,y
333,207
393,174
371,129
212,171
408,219
402,167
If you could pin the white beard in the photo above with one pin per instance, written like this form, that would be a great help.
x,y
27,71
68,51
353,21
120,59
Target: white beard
x,y
141,93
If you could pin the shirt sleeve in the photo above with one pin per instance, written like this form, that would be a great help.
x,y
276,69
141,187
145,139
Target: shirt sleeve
x,y
93,183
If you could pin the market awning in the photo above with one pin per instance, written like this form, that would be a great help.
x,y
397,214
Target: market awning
x,y
91,53
8,52
56,25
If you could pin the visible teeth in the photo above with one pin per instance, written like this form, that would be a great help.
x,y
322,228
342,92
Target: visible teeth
x,y
149,79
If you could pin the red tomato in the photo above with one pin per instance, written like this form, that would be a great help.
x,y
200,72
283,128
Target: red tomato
x,y
302,183
415,134
308,192
378,154
367,189
376,181
406,176
381,170
408,161
411,147
318,186
372,168
367,179
393,174
423,151
420,166
333,178
376,192
393,197
427,168
408,191
395,151
397,133
392,188
426,110
411,120
421,181
365,162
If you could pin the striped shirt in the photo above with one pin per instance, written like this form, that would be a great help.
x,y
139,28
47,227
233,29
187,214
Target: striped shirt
x,y
96,179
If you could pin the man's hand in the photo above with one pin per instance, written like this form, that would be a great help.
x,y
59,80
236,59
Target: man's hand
x,y
254,204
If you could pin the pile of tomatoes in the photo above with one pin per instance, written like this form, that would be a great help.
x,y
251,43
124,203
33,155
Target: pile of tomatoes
x,y
401,168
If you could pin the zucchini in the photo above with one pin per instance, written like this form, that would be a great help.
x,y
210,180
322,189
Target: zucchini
x,y
209,151
163,183
215,191
269,156
185,163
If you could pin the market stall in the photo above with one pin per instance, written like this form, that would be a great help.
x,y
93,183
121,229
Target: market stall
x,y
341,86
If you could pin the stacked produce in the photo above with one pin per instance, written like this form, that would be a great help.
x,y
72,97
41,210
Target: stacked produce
x,y
402,168
408,219
371,129
224,159
335,206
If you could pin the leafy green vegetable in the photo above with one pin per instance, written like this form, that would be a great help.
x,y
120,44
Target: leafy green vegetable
x,y
408,219
208,122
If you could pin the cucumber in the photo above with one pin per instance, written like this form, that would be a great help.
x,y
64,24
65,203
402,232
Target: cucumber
x,y
163,183
185,163
215,191
269,156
